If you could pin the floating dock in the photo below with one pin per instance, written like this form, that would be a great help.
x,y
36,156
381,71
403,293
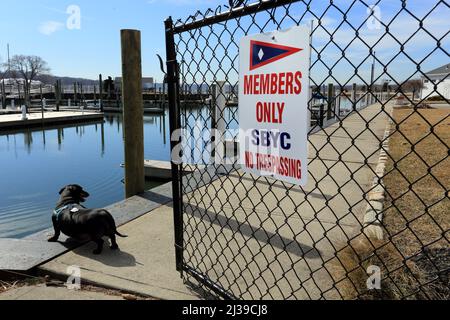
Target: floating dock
x,y
160,170
146,110
14,121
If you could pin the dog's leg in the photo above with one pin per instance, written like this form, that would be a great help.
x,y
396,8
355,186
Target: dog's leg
x,y
99,243
57,231
114,245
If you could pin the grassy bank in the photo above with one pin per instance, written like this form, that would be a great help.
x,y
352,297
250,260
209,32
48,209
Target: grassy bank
x,y
415,257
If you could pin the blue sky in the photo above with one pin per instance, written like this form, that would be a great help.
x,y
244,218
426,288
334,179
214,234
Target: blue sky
x,y
95,48
38,27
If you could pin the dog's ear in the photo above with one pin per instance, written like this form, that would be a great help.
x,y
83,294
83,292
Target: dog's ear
x,y
62,190
80,189
84,193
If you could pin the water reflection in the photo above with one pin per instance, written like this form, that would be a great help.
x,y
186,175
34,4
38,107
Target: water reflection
x,y
36,163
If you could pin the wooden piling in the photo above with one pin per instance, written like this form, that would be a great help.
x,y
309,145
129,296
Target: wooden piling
x,y
42,101
57,94
18,93
133,112
354,96
100,92
218,120
81,94
330,110
75,94
95,96
3,95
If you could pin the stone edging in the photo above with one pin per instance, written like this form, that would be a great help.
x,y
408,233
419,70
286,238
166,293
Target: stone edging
x,y
373,218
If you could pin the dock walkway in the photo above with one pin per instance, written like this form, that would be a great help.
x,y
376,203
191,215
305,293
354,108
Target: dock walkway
x,y
14,121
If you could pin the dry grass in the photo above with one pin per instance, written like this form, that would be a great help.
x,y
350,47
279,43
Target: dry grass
x,y
6,285
415,258
425,207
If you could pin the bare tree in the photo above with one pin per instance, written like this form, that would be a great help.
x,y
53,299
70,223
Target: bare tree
x,y
413,86
27,68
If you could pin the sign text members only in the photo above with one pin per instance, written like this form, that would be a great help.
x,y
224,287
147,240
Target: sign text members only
x,y
273,104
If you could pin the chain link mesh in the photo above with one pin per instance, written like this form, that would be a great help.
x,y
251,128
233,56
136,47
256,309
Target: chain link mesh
x,y
377,197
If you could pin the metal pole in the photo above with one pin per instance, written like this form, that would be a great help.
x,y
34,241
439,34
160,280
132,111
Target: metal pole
x,y
372,77
175,124
133,112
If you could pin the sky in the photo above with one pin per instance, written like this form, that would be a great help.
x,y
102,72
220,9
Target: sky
x,y
45,28
39,27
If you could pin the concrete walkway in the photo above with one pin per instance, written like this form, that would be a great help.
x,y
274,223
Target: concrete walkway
x,y
145,264
245,233
276,239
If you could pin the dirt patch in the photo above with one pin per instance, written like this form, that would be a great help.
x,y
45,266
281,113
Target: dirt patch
x,y
415,258
14,282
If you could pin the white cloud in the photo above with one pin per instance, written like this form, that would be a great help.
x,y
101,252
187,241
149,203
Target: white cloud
x,y
49,27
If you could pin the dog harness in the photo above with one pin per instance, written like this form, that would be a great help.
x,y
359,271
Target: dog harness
x,y
72,207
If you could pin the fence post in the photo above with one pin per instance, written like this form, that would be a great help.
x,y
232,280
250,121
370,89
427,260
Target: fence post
x,y
175,124
133,112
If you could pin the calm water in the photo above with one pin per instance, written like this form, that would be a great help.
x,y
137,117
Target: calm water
x,y
35,164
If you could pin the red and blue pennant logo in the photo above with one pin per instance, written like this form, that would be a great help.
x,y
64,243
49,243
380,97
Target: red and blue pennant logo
x,y
263,53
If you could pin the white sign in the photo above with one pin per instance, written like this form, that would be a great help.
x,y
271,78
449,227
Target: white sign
x,y
273,104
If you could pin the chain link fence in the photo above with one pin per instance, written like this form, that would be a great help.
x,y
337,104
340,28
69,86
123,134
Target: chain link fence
x,y
372,222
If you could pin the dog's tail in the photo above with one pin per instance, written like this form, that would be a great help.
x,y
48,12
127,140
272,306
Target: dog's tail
x,y
113,224
120,235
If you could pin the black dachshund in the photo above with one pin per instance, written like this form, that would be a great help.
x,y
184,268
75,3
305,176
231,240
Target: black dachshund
x,y
82,224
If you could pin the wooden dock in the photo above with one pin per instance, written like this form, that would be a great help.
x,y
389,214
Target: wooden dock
x,y
14,121
159,170
146,110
